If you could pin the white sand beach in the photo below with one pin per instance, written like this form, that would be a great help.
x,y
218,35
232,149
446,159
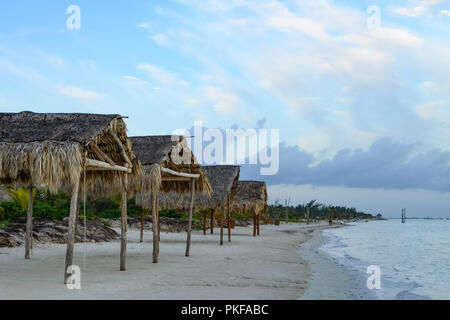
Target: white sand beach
x,y
265,267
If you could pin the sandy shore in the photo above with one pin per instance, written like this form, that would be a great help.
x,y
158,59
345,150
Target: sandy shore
x,y
266,267
329,279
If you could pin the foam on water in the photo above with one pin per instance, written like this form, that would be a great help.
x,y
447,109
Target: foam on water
x,y
414,258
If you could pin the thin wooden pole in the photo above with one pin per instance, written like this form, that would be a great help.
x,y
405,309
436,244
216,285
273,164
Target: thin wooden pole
x,y
29,226
159,220
31,234
212,221
77,217
254,224
229,218
204,222
307,216
142,225
155,229
123,235
221,226
286,212
71,231
191,209
257,224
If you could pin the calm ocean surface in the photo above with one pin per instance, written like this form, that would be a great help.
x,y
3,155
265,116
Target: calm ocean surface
x,y
414,258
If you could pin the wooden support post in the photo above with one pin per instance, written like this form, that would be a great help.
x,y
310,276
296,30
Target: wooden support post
x,y
191,209
142,225
31,234
29,226
159,220
229,218
254,224
307,216
71,231
287,212
212,221
123,234
221,226
257,224
155,229
77,218
204,222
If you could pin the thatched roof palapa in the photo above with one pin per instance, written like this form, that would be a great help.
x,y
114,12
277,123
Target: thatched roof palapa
x,y
223,180
51,150
251,197
163,158
59,150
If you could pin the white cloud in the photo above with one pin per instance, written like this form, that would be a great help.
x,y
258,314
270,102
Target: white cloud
x,y
159,75
161,39
28,74
131,78
445,12
79,93
411,12
435,111
146,25
225,103
417,8
132,81
318,64
395,36
429,3
289,22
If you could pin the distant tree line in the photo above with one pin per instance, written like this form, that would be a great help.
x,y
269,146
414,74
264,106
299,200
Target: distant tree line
x,y
317,211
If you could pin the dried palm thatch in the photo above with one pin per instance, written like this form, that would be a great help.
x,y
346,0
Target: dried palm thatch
x,y
50,150
223,180
171,152
251,197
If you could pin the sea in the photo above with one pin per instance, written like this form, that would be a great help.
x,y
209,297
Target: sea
x,y
413,259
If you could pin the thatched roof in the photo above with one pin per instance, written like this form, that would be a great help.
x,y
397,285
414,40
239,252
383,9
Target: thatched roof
x,y
157,153
50,150
251,197
157,149
223,180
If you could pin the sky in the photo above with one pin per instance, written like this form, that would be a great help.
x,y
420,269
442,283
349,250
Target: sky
x,y
359,90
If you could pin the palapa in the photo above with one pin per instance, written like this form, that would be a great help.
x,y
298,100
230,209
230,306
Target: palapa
x,y
168,166
53,150
223,180
251,197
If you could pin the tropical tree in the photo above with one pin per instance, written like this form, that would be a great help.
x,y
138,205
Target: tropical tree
x,y
21,197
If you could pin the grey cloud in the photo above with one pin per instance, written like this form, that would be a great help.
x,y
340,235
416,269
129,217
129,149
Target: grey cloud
x,y
386,164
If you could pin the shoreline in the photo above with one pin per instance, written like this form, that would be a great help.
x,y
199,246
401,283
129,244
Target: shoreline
x,y
330,279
